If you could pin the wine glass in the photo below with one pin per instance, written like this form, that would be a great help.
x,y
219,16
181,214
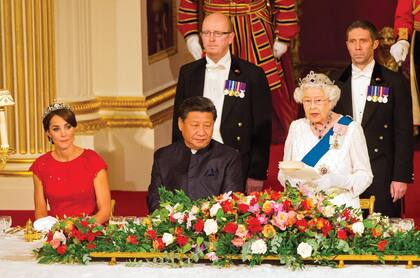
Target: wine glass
x,y
5,223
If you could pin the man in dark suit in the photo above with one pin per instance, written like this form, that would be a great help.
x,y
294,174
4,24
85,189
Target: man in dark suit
x,y
240,93
380,100
197,164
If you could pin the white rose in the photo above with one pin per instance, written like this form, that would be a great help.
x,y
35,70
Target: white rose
x,y
329,211
358,228
60,236
259,247
304,250
167,239
194,210
210,226
214,209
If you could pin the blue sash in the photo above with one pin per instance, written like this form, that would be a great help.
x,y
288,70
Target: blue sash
x,y
318,151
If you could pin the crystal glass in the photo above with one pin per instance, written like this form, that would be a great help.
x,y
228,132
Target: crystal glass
x,y
5,223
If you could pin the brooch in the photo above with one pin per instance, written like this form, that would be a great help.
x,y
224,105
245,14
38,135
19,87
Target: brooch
x,y
337,139
323,170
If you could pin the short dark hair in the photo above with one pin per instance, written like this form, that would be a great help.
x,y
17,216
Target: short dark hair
x,y
64,113
196,104
365,25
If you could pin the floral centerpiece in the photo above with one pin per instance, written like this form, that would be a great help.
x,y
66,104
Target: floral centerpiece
x,y
292,226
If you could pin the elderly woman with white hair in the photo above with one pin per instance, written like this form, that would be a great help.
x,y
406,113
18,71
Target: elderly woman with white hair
x,y
333,145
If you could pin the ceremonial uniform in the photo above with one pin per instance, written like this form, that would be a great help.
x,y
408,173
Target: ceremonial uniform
x,y
387,124
254,37
214,170
407,26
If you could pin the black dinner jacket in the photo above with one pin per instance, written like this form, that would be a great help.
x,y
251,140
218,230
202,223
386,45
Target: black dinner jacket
x,y
213,170
246,122
387,127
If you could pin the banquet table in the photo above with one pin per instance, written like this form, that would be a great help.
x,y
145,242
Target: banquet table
x,y
18,260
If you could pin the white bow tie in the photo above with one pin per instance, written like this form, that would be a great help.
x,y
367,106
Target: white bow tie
x,y
215,67
359,73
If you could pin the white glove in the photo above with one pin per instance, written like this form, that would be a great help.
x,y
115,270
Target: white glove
x,y
279,48
44,224
332,180
194,47
399,50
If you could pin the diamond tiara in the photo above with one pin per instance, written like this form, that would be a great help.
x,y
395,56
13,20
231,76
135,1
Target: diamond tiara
x,y
315,79
54,107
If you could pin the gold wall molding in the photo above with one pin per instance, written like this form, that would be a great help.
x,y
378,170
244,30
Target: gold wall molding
x,y
129,104
13,173
123,103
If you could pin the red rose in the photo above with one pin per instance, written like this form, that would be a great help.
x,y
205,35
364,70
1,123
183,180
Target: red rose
x,y
301,224
132,239
243,208
98,233
181,240
227,206
84,223
230,228
50,236
158,244
254,225
327,228
90,237
287,205
151,234
91,246
199,226
341,234
346,214
275,195
178,230
77,234
382,244
61,249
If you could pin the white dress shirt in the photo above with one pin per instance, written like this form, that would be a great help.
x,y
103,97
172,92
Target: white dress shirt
x,y
350,160
214,84
360,80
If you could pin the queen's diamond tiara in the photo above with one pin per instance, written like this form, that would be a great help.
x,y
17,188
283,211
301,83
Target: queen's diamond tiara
x,y
315,79
54,107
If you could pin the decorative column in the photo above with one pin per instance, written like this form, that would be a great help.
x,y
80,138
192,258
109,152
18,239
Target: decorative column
x,y
27,70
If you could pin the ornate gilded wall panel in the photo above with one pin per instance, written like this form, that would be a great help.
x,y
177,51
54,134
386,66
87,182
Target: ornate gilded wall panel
x,y
27,69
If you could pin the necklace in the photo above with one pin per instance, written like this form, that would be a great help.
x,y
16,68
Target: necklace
x,y
321,130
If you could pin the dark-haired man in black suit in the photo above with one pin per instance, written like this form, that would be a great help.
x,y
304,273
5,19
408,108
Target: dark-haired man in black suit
x,y
200,166
380,100
240,93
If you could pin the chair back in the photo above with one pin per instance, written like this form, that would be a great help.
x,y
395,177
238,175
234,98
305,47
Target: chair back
x,y
368,203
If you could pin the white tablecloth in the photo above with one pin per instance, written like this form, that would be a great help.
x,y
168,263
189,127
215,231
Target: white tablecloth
x,y
17,260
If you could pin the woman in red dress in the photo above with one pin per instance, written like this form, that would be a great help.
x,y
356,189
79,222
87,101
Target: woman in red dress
x,y
72,180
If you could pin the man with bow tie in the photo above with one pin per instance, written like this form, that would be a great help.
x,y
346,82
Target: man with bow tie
x,y
240,93
380,100
197,164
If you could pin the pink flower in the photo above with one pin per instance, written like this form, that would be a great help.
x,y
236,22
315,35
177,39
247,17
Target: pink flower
x,y
55,243
238,242
280,220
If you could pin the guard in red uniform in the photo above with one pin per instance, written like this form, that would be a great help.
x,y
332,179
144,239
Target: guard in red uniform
x,y
407,28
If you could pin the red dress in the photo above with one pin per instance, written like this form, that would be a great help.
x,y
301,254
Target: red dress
x,y
68,186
